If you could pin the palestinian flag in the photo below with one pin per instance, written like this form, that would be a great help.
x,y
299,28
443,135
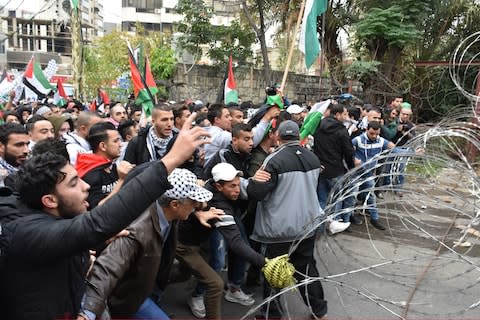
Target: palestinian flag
x,y
60,98
144,85
311,122
102,98
230,92
35,80
308,42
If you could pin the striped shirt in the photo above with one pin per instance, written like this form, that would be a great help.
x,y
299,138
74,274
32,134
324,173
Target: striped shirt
x,y
366,149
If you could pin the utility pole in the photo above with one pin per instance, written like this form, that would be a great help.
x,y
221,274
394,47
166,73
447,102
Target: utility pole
x,y
76,51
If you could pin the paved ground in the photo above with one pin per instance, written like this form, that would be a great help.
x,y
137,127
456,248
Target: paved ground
x,y
411,270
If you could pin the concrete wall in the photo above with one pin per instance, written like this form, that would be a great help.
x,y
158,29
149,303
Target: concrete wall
x,y
206,83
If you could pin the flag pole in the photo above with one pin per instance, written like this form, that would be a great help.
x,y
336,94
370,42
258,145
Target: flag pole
x,y
290,53
322,52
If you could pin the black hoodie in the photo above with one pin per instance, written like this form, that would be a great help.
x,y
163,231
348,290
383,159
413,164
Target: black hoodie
x,y
43,275
192,233
333,146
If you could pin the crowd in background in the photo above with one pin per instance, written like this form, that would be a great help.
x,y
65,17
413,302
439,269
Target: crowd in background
x,y
253,183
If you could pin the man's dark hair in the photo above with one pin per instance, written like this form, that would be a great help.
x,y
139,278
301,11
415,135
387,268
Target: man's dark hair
x,y
77,104
134,108
376,109
200,118
284,115
125,128
374,125
52,145
354,113
114,103
10,128
23,108
163,107
10,113
367,107
239,127
336,108
39,176
232,104
215,111
178,111
34,119
234,108
245,105
98,133
395,96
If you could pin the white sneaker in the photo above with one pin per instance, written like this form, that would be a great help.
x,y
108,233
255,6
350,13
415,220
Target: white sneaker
x,y
197,306
337,226
239,297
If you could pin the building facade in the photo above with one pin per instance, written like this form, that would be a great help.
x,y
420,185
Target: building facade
x,y
43,28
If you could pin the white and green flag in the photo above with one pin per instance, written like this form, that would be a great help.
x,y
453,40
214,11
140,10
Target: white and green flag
x,y
230,93
309,43
36,81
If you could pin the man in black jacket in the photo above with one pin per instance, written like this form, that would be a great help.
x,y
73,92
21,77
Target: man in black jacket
x,y
152,143
237,153
334,149
45,251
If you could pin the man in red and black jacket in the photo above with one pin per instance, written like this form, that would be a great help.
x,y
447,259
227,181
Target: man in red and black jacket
x,y
98,168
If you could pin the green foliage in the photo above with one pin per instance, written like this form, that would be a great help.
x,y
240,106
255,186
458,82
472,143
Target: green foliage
x,y
104,61
195,26
163,62
360,70
237,41
107,58
198,32
383,28
396,34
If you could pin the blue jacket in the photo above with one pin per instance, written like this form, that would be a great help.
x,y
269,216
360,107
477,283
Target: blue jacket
x,y
366,149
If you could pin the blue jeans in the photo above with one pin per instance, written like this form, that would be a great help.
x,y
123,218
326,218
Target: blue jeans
x,y
150,310
366,190
236,265
324,188
395,167
217,250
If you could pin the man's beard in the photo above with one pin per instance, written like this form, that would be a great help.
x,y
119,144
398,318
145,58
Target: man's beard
x,y
65,209
10,159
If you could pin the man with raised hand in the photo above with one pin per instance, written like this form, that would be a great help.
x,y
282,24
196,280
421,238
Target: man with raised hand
x,y
45,251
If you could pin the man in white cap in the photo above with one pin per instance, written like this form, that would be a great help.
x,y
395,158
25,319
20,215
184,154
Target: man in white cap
x,y
124,275
225,187
297,113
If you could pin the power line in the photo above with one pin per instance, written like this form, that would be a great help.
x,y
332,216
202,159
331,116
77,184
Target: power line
x,y
19,5
6,4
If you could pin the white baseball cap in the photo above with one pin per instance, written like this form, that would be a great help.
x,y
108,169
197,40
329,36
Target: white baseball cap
x,y
225,172
294,109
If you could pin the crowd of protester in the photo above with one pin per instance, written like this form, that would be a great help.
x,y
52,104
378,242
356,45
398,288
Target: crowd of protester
x,y
99,206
